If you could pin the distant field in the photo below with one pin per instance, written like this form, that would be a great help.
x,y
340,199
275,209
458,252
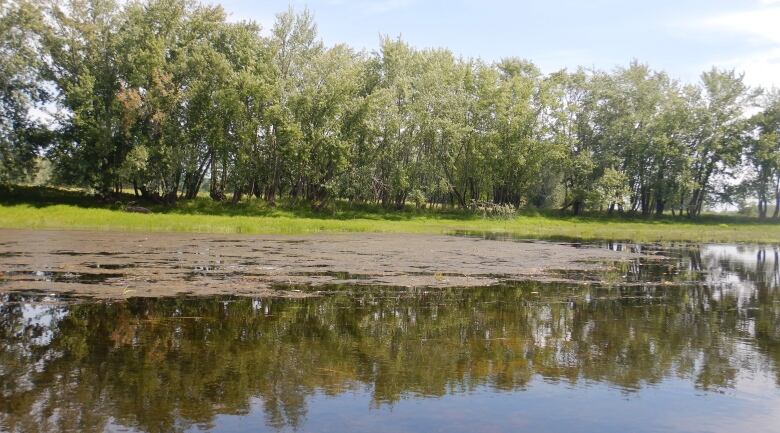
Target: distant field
x,y
47,208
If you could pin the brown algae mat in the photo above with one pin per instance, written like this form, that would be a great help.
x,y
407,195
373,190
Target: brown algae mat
x,y
121,264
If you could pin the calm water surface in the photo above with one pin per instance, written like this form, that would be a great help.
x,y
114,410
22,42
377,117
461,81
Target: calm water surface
x,y
687,340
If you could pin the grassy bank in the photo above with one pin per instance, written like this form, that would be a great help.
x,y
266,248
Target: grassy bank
x,y
46,208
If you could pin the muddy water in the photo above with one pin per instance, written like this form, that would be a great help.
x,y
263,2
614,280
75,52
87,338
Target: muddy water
x,y
675,339
118,265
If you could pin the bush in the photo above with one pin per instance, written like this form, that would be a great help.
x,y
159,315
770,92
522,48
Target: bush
x,y
493,210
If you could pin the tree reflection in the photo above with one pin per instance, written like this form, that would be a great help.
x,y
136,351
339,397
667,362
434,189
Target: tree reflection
x,y
167,364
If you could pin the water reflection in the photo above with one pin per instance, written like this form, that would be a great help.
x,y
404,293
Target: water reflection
x,y
682,324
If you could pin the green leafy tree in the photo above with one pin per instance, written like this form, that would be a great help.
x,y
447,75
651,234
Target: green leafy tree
x,y
22,90
763,155
720,126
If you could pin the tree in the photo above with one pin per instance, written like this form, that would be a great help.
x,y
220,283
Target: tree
x,y
22,136
327,111
82,52
573,130
763,155
719,129
293,43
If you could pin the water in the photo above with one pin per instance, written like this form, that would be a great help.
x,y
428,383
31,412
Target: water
x,y
684,340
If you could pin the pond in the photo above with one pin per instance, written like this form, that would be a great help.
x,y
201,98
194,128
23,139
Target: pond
x,y
677,339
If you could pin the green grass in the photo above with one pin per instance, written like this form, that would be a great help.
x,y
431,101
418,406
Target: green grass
x,y
50,208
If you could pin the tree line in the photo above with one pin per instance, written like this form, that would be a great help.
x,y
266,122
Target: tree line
x,y
169,98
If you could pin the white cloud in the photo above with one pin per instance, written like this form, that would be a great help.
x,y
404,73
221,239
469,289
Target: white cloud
x,y
760,27
763,23
761,69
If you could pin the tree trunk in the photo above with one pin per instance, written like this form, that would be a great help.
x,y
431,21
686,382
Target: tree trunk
x,y
776,213
236,195
660,205
576,207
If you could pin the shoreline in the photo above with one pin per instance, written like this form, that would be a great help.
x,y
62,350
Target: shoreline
x,y
73,217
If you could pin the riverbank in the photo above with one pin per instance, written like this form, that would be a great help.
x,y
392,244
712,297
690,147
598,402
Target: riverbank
x,y
59,209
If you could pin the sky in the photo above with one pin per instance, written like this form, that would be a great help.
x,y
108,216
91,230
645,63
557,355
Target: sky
x,y
682,37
